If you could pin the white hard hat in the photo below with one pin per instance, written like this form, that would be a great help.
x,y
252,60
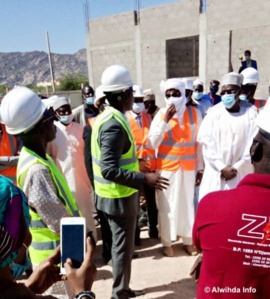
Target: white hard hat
x,y
262,119
251,76
137,91
116,78
198,82
188,83
99,94
21,109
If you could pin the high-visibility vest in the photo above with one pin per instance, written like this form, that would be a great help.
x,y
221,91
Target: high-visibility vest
x,y
259,103
178,147
44,240
8,148
91,121
129,160
140,135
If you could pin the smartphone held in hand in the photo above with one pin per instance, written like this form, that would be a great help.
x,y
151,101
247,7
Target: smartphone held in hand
x,y
73,237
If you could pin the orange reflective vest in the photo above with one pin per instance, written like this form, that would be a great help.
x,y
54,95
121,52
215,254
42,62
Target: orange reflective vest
x,y
91,121
259,103
8,148
140,135
178,147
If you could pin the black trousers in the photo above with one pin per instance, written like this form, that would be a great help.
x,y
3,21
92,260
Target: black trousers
x,y
106,236
123,232
152,212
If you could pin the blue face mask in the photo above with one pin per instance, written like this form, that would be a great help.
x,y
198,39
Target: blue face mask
x,y
228,100
243,97
17,270
197,95
66,119
90,101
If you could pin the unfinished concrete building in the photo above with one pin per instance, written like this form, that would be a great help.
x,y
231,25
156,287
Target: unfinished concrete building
x,y
187,38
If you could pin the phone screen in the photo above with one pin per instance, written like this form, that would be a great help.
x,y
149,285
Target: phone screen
x,y
73,244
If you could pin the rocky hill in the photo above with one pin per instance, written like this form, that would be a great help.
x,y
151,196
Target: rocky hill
x,y
33,67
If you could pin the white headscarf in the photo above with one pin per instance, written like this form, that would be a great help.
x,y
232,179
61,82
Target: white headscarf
x,y
179,103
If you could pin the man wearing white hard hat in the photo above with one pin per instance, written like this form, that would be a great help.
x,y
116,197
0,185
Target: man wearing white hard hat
x,y
67,151
140,125
249,86
173,134
232,229
226,134
26,116
116,176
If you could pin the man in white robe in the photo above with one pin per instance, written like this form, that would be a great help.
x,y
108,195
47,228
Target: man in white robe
x,y
226,135
67,151
173,134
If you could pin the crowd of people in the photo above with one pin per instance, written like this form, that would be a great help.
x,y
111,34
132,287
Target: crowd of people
x,y
102,158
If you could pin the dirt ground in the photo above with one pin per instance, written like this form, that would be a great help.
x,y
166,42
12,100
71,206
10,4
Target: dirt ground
x,y
159,276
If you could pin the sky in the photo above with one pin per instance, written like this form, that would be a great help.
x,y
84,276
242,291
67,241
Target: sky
x,y
23,23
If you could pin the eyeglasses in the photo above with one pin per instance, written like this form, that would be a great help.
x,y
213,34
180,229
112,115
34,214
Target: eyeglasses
x,y
174,94
235,91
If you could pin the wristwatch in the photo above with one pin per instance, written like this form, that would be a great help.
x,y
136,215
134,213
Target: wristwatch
x,y
85,294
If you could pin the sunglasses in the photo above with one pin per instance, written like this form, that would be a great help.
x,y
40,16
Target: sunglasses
x,y
174,94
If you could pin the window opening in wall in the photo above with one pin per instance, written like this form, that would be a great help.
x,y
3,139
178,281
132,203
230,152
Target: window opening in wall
x,y
182,56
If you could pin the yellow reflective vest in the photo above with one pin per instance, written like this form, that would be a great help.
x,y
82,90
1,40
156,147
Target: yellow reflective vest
x,y
44,240
105,188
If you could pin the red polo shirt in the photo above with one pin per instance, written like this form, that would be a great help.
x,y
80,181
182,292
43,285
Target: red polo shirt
x,y
232,229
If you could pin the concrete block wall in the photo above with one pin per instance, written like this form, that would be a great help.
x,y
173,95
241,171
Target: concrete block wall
x,y
217,56
258,39
158,24
142,48
102,58
111,41
250,25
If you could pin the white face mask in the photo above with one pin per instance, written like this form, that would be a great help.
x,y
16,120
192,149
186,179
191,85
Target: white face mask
x,y
66,119
177,102
138,107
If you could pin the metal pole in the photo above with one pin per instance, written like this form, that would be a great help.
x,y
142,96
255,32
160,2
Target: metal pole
x,y
50,61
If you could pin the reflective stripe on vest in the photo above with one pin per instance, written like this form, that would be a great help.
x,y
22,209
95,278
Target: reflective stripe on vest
x,y
105,188
8,148
178,147
140,135
45,245
44,240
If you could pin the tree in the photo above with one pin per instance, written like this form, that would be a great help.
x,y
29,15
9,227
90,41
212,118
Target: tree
x,y
36,88
72,81
2,89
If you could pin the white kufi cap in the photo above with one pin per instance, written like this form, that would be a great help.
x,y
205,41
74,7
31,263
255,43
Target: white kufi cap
x,y
188,83
232,78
